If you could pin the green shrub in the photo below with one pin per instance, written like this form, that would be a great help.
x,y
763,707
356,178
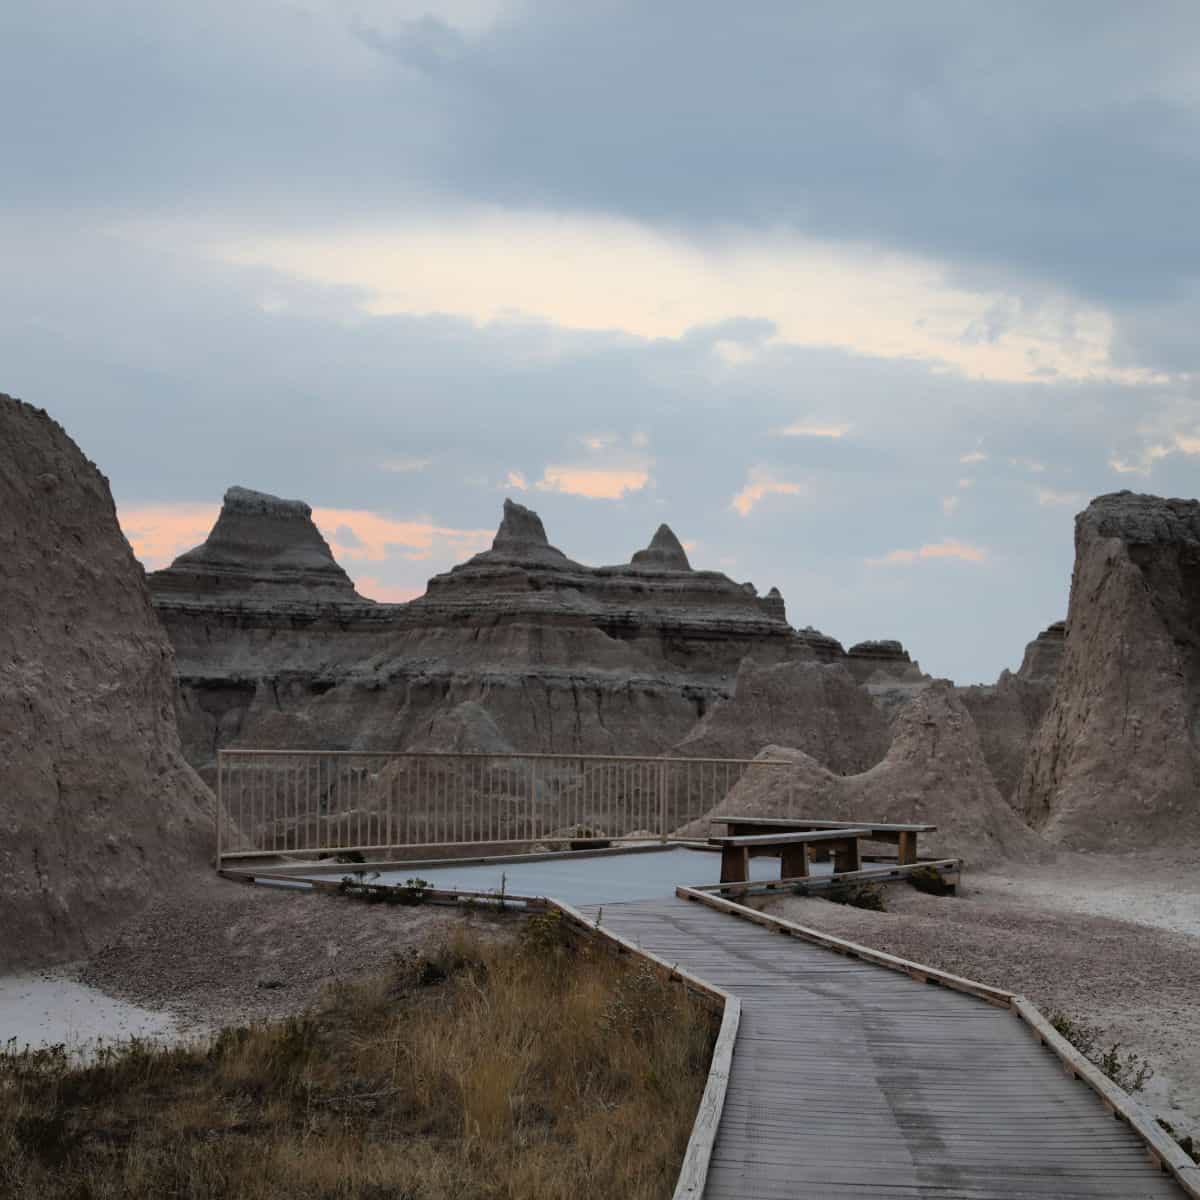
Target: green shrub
x,y
929,880
1128,1071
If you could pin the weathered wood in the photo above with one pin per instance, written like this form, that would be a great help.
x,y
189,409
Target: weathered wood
x,y
735,864
908,848
992,995
791,838
785,823
1163,1148
853,1081
793,862
694,1173
948,868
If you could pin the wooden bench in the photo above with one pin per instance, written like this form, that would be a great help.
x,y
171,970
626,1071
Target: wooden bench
x,y
792,846
904,837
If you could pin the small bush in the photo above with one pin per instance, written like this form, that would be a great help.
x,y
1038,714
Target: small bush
x,y
857,895
929,880
1129,1071
412,892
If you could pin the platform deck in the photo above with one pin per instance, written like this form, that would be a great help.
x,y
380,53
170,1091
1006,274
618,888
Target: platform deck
x,y
850,1080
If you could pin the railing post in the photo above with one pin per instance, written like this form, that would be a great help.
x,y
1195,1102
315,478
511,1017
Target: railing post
x,y
662,800
220,803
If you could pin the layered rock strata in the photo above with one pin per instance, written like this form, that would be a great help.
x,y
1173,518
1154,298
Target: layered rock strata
x,y
98,808
1116,762
565,657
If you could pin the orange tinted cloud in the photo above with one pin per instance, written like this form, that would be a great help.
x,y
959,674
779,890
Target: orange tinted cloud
x,y
761,484
596,483
947,548
159,533
375,538
373,589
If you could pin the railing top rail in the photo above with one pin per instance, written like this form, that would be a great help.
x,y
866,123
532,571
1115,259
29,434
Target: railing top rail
x,y
642,758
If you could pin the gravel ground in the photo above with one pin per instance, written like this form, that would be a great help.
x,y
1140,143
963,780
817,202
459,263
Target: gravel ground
x,y
1029,930
217,952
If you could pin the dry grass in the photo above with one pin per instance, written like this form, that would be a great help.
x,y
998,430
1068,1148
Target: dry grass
x,y
541,1071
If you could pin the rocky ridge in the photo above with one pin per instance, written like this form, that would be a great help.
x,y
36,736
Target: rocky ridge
x,y
98,806
562,656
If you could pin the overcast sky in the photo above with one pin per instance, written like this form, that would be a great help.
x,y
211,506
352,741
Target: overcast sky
x,y
865,300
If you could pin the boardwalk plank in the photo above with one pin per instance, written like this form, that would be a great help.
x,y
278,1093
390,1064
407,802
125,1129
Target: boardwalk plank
x,y
850,1080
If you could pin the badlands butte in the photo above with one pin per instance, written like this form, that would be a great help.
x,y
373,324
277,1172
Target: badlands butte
x,y
118,688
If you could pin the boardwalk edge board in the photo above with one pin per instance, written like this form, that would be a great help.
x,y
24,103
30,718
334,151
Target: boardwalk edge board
x,y
1169,1156
693,1174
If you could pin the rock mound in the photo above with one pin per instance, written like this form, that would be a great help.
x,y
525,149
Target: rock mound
x,y
934,772
665,553
872,661
521,538
1044,654
261,548
1116,762
97,806
811,706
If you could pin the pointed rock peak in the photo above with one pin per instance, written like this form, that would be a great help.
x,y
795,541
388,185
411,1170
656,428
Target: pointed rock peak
x,y
665,552
522,536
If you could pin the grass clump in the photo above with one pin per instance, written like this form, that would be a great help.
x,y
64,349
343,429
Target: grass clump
x,y
857,895
930,881
1127,1070
541,1070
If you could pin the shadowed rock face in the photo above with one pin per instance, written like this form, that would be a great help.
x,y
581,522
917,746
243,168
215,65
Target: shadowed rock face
x,y
665,553
1009,713
933,772
1117,759
882,660
262,548
557,656
98,808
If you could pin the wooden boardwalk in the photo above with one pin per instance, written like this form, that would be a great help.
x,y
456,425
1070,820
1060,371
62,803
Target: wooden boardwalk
x,y
852,1080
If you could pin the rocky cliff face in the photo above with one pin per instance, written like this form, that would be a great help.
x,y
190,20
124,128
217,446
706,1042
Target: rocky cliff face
x,y
562,657
1116,761
1009,713
97,805
934,772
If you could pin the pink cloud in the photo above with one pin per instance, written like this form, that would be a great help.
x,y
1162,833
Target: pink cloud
x,y
947,548
596,483
159,533
761,484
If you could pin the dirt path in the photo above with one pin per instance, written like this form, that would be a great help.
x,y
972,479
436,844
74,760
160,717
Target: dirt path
x,y
1053,934
217,952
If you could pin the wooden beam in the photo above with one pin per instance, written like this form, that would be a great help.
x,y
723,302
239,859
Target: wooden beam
x,y
908,847
755,840
798,823
735,864
948,868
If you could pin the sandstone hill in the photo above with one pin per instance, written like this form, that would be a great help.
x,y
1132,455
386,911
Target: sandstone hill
x,y
558,656
1116,762
97,805
933,772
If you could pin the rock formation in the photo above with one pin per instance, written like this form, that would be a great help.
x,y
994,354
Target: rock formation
x,y
1009,713
261,549
562,657
879,662
807,705
97,805
934,772
665,553
1116,762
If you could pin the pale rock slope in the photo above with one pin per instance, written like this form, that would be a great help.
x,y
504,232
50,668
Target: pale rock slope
x,y
934,772
98,809
1116,762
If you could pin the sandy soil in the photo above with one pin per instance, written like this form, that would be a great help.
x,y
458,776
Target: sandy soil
x,y
217,952
1112,941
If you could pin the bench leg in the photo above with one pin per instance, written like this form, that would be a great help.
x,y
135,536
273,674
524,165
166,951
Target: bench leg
x,y
908,849
845,855
735,862
794,862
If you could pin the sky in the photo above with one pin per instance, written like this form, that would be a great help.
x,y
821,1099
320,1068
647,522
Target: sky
x,y
864,300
